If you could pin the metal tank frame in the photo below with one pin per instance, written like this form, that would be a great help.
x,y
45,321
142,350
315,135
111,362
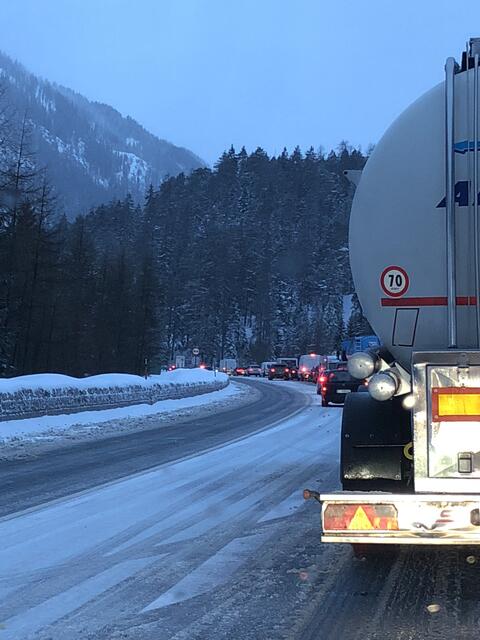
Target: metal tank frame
x,y
464,367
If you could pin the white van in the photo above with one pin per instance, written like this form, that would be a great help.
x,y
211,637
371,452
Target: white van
x,y
306,364
290,362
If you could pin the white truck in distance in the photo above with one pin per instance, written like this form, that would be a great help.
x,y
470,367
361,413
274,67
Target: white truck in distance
x,y
228,365
306,364
410,448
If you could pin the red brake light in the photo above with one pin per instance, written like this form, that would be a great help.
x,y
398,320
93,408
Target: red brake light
x,y
322,379
360,517
286,370
272,370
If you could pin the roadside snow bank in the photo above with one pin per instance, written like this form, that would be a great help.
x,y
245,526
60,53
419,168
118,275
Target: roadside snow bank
x,y
108,422
52,394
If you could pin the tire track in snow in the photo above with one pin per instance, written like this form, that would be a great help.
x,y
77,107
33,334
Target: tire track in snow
x,y
259,473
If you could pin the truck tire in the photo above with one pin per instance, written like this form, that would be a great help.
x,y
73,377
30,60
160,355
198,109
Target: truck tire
x,y
324,402
372,441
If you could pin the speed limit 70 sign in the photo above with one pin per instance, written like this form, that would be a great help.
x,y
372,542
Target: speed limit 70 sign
x,y
394,281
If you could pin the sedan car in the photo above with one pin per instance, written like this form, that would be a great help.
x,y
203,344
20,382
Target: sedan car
x,y
239,371
292,373
335,385
278,371
253,370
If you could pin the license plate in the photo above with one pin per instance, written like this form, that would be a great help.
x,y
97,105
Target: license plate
x,y
344,391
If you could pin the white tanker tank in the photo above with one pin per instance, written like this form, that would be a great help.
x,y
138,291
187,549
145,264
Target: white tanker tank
x,y
398,227
410,448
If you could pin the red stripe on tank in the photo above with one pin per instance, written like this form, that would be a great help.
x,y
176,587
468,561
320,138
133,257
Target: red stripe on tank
x,y
428,301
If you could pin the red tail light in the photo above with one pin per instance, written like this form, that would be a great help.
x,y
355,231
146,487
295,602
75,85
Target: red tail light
x,y
286,370
322,379
272,370
360,517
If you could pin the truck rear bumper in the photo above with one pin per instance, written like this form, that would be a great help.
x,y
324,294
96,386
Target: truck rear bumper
x,y
433,519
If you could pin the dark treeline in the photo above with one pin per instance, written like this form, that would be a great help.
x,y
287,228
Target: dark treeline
x,y
248,260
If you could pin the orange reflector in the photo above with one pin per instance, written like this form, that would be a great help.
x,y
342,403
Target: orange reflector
x,y
360,517
456,403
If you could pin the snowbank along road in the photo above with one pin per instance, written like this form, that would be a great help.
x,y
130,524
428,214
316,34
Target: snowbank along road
x,y
215,542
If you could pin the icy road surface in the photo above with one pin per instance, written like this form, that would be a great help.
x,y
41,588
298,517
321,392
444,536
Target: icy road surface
x,y
218,544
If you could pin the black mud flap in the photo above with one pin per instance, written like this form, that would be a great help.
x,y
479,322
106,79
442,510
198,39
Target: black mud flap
x,y
374,436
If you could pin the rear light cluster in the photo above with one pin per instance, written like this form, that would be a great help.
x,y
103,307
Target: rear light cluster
x,y
360,517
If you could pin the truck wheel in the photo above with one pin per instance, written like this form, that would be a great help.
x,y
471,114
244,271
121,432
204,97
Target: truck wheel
x,y
324,402
372,440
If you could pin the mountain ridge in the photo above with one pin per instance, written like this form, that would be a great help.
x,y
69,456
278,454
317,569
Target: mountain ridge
x,y
93,153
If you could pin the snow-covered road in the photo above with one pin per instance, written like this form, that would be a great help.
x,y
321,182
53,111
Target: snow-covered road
x,y
150,555
217,544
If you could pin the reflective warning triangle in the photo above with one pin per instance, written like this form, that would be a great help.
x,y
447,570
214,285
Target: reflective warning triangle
x,y
360,521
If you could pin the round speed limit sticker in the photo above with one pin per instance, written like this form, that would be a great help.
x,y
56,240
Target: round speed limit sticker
x,y
394,281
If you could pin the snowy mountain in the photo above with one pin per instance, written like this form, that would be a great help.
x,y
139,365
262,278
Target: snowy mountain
x,y
92,152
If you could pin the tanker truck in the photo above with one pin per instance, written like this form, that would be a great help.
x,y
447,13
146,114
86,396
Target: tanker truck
x,y
410,447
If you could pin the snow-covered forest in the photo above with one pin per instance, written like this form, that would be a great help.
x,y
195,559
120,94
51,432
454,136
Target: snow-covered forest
x,y
248,259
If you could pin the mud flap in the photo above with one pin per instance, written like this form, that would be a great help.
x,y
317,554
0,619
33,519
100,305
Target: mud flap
x,y
374,435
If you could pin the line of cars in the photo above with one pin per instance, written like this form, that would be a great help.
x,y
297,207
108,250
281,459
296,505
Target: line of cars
x,y
329,374
284,369
331,377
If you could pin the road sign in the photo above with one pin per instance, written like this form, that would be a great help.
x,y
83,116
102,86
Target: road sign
x,y
394,281
195,351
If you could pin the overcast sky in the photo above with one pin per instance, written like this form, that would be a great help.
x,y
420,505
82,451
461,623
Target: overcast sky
x,y
206,74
